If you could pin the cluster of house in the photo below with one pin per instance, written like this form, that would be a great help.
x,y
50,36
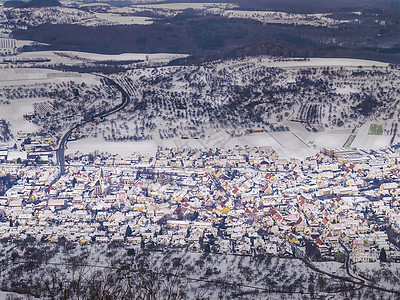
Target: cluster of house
x,y
30,148
242,200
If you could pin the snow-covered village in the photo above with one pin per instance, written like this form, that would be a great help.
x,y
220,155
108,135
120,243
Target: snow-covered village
x,y
245,200
339,205
167,150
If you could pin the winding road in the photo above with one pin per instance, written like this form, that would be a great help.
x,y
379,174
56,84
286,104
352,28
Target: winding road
x,y
126,99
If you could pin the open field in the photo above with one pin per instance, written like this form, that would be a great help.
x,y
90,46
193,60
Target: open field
x,y
286,18
320,62
8,295
14,113
75,57
286,144
386,274
183,6
371,141
375,129
288,140
124,20
349,141
9,77
122,148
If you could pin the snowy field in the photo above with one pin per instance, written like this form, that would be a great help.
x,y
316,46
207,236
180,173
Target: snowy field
x,y
288,140
161,57
124,20
7,295
387,274
371,141
316,140
286,144
73,57
14,113
310,62
331,267
32,76
216,276
329,140
21,43
285,18
122,148
183,6
368,141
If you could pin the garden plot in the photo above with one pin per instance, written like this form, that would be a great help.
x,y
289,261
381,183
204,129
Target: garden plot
x,y
289,145
183,143
375,129
215,140
349,140
367,137
297,128
364,129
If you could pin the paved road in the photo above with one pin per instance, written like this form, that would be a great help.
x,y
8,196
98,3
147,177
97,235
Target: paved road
x,y
126,99
352,279
347,264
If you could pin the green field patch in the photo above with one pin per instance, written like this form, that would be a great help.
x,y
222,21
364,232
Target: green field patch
x,y
375,129
350,140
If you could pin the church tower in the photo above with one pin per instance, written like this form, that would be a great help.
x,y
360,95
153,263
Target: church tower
x,y
99,186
